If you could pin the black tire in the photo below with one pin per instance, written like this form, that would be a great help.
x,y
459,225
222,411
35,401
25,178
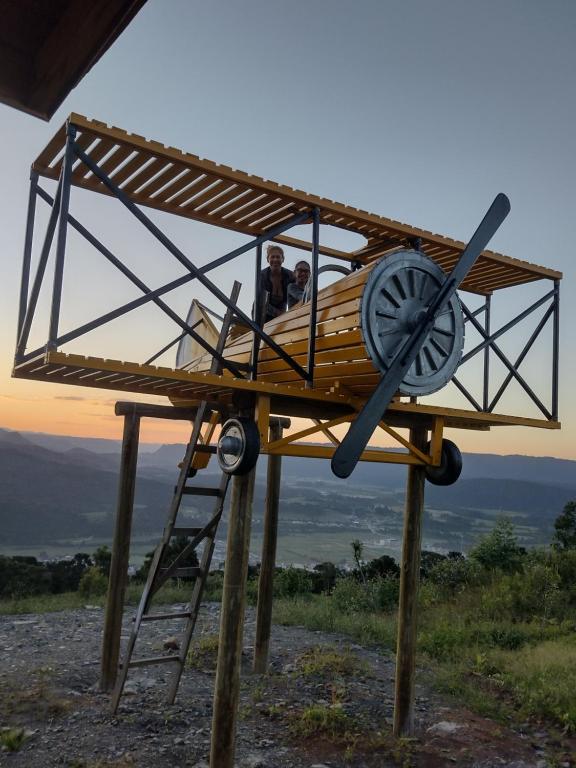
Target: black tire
x,y
248,437
450,465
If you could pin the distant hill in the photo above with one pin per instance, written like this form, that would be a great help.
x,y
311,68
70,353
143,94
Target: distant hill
x,y
53,495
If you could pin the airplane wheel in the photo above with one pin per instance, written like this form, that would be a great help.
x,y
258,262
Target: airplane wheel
x,y
238,446
450,465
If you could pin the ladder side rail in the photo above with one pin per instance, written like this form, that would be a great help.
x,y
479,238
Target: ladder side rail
x,y
196,598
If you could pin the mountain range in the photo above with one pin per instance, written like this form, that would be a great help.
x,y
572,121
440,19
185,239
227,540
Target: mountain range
x,y
61,489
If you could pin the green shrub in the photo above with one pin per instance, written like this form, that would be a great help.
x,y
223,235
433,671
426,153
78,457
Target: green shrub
x,y
386,592
378,594
93,583
534,594
499,549
290,582
454,575
23,576
351,596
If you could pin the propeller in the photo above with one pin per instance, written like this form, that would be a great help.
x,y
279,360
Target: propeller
x,y
347,454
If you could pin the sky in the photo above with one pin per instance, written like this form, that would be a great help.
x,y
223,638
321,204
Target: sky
x,y
419,111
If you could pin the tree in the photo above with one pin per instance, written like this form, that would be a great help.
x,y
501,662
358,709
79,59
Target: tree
x,y
357,552
499,549
176,546
102,559
565,528
22,576
66,574
428,560
324,576
382,566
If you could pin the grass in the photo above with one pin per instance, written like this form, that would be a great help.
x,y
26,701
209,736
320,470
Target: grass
x,y
317,612
74,600
328,661
499,668
541,679
39,698
11,739
329,722
203,653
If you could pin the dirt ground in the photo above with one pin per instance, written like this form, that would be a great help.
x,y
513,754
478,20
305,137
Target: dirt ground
x,y
326,703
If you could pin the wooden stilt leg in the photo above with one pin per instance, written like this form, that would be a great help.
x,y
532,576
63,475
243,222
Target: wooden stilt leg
x,y
266,581
409,580
227,686
120,553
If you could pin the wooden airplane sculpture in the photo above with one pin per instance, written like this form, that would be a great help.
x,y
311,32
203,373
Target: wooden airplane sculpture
x,y
362,351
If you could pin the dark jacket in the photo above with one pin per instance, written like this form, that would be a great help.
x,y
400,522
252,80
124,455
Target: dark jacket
x,y
276,304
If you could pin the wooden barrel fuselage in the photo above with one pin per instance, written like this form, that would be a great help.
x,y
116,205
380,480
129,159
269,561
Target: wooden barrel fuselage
x,y
341,356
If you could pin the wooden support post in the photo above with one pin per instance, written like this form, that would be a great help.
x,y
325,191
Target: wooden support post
x,y
409,581
120,553
268,563
227,686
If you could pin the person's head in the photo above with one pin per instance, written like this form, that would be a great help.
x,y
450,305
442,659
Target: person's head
x,y
274,257
302,273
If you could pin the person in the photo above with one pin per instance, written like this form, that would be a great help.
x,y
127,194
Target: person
x,y
297,288
275,279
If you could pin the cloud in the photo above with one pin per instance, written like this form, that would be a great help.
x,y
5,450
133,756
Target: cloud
x,y
25,399
69,397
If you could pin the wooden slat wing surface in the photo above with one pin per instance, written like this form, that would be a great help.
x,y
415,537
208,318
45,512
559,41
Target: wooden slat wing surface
x,y
148,379
235,200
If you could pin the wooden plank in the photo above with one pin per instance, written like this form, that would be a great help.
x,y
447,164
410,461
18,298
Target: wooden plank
x,y
268,560
145,175
153,660
334,341
172,189
164,178
263,202
83,141
227,683
50,152
96,154
235,191
233,211
305,245
185,196
408,602
328,357
116,159
215,192
270,216
118,578
133,165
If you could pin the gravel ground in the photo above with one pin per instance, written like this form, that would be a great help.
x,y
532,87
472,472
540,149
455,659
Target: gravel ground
x,y
49,694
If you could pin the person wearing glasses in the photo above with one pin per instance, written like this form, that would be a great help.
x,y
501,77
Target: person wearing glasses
x,y
297,289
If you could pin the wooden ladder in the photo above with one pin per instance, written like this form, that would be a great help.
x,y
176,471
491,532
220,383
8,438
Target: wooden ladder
x,y
159,573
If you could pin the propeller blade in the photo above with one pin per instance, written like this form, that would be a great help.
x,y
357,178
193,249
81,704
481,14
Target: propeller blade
x,y
347,454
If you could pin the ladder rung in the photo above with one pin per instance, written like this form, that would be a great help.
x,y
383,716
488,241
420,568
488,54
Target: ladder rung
x,y
198,490
183,573
163,616
153,660
185,531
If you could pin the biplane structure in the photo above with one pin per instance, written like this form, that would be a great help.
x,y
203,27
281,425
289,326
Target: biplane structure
x,y
325,358
368,350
